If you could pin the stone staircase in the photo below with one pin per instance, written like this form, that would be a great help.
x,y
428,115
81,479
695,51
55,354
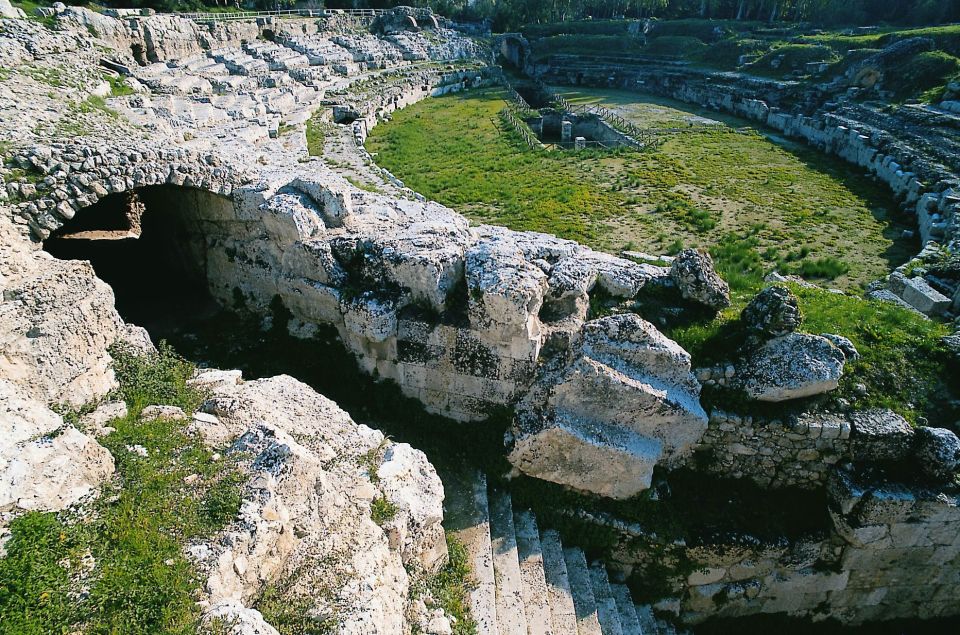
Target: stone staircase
x,y
527,582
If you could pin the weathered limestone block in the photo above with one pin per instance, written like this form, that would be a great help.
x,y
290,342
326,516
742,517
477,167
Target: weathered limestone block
x,y
291,217
694,274
408,481
924,298
45,464
773,312
879,435
791,367
937,452
332,197
624,389
586,455
504,290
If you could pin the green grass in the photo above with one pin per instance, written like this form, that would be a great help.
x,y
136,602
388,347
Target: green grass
x,y
118,87
450,587
454,150
699,186
903,364
293,616
315,136
119,567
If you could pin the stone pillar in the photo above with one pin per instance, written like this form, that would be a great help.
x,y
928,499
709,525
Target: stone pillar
x,y
566,131
580,143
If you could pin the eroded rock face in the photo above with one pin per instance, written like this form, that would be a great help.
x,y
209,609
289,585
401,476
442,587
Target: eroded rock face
x,y
310,493
622,401
693,272
790,367
56,321
45,465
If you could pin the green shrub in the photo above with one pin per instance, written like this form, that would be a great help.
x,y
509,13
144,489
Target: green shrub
x,y
154,379
382,510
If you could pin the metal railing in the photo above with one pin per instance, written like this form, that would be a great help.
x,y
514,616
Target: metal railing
x,y
283,13
520,127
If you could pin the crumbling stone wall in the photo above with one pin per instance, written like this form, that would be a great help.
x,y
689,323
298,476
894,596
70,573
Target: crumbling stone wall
x,y
792,452
889,551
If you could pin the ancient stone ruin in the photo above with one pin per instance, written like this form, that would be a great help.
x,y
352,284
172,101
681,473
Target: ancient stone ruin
x,y
198,181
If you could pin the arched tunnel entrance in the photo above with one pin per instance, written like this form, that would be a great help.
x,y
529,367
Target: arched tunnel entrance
x,y
147,244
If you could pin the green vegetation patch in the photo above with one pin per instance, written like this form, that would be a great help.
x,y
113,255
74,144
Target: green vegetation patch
x,y
903,366
118,566
706,181
450,587
455,150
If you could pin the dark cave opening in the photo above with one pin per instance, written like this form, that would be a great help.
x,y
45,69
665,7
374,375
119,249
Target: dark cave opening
x,y
144,245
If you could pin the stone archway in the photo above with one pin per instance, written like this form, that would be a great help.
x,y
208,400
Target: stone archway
x,y
150,244
514,48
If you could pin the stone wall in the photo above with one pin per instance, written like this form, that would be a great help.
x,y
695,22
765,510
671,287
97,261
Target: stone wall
x,y
888,552
796,451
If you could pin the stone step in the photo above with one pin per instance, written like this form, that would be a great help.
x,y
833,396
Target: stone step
x,y
536,601
629,623
648,623
581,586
607,612
511,619
563,613
468,516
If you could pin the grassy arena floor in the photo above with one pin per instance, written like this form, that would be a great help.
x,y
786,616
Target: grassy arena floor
x,y
757,202
810,214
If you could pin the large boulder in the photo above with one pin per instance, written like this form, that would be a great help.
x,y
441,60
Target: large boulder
x,y
773,312
600,418
7,10
937,452
790,367
694,274
315,478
